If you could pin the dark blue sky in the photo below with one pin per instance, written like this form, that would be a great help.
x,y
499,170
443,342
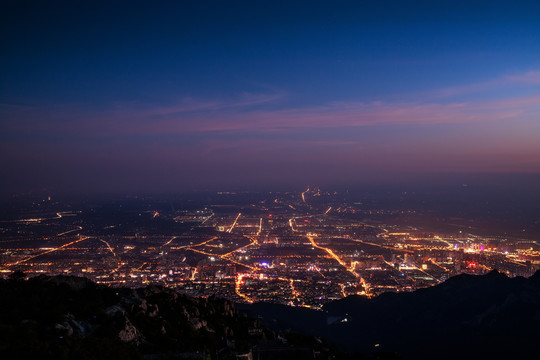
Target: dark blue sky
x,y
174,96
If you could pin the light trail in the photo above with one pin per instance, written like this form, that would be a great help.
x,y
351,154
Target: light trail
x,y
208,218
422,271
192,246
342,263
108,246
486,268
59,215
170,241
118,268
414,268
193,275
343,290
237,286
47,252
295,293
253,242
401,272
379,245
517,263
327,211
303,195
379,235
227,255
439,266
201,244
222,257
70,231
234,223
319,271
450,245
291,220
330,252
201,252
260,227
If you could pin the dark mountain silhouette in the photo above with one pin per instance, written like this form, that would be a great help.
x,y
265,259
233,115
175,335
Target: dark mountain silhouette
x,y
65,317
483,317
487,317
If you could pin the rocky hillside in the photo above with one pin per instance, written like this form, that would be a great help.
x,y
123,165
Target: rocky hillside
x,y
490,316
73,318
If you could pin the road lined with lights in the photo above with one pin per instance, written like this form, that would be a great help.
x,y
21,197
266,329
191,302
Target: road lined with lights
x,y
234,223
48,251
341,262
108,246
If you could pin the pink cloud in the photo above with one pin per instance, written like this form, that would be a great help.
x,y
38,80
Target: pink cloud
x,y
178,120
260,113
346,115
530,77
527,78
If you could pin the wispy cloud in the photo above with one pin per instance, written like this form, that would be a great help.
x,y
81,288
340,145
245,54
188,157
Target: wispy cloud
x,y
335,115
193,105
263,114
531,77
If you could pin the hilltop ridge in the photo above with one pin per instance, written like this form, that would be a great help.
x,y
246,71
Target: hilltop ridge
x,y
468,316
65,317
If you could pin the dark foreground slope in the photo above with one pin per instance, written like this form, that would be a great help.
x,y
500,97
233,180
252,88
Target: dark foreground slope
x,y
467,316
483,317
73,318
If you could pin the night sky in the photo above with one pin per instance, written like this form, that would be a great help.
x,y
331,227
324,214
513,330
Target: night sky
x,y
157,96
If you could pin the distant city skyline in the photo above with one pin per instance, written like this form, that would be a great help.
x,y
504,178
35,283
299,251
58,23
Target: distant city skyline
x,y
180,96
